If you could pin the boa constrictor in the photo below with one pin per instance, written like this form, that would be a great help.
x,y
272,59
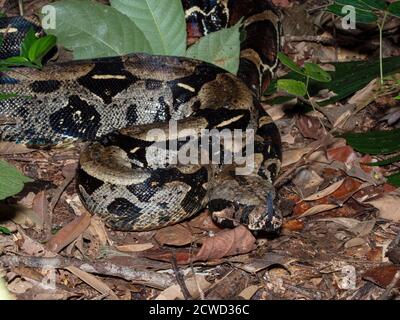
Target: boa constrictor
x,y
113,103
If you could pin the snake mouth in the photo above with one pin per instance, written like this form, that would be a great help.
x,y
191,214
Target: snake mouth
x,y
265,217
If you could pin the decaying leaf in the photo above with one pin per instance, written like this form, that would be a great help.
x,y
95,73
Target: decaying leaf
x,y
137,247
69,233
13,148
193,285
227,243
388,206
93,281
176,235
292,156
249,292
323,193
310,127
382,275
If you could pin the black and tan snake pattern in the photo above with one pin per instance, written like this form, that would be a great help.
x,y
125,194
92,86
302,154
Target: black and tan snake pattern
x,y
113,103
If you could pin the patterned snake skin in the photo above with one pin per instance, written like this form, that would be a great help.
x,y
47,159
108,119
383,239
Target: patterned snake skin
x,y
114,103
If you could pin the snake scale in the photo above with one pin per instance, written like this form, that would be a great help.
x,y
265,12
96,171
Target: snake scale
x,y
114,103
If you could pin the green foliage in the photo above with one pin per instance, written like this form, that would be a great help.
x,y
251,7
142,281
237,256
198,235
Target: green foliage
x,y
221,48
394,179
375,142
5,230
299,87
285,60
94,30
348,78
369,11
378,143
162,23
293,87
11,180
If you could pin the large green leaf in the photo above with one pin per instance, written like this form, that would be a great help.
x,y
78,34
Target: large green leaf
x,y
221,48
375,4
93,30
359,4
394,179
394,8
162,22
375,142
315,72
348,78
362,16
11,180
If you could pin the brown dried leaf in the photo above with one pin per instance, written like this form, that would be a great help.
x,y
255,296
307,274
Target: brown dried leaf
x,y
309,127
382,275
293,225
227,243
292,156
318,209
176,235
69,233
249,292
93,281
40,206
193,285
204,222
7,148
388,206
137,247
326,192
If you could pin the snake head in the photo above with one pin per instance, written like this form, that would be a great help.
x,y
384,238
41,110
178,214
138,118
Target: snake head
x,y
265,217
247,200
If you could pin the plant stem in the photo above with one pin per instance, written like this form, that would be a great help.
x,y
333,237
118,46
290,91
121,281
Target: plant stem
x,y
315,108
381,26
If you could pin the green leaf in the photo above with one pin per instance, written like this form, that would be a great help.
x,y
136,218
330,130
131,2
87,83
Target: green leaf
x,y
285,60
29,39
15,62
397,98
5,230
93,30
348,78
162,22
375,142
362,16
355,3
294,87
394,179
11,180
376,4
315,72
385,162
394,8
40,48
221,48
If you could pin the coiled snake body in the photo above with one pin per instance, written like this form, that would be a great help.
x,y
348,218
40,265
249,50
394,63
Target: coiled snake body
x,y
114,103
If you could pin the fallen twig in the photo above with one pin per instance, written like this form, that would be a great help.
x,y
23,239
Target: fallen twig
x,y
145,277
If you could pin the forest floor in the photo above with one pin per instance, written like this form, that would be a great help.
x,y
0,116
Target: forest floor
x,y
341,232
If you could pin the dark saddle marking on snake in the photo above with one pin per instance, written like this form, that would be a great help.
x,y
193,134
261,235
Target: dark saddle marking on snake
x,y
115,103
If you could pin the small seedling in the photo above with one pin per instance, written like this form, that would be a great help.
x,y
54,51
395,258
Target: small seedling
x,y
368,12
300,88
